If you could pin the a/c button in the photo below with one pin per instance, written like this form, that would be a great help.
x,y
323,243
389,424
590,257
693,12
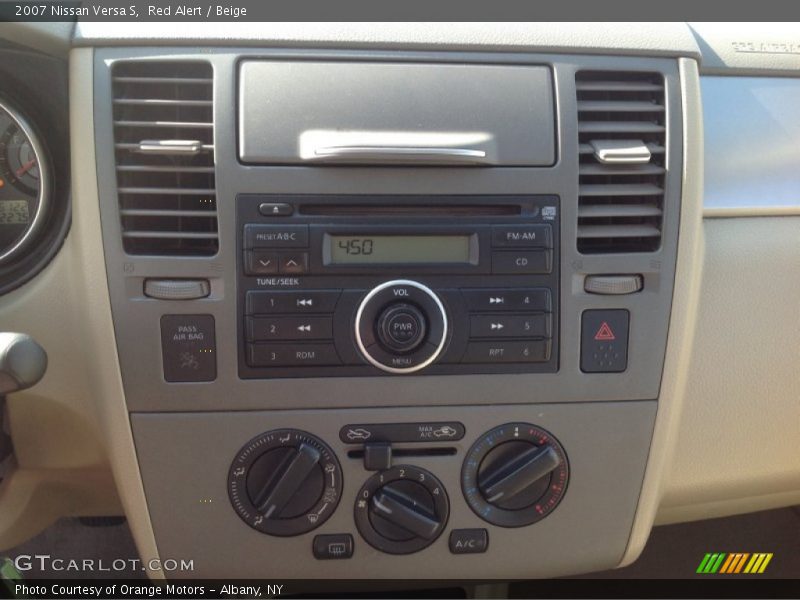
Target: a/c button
x,y
469,541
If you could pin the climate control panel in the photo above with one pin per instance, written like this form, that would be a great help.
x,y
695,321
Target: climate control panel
x,y
287,482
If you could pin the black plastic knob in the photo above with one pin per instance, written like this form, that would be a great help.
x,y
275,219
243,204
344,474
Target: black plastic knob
x,y
401,510
515,475
285,482
404,510
401,327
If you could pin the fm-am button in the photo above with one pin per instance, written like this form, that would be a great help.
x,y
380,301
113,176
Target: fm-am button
x,y
291,355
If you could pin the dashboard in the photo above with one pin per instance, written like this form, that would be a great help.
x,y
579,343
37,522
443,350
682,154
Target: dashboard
x,y
398,300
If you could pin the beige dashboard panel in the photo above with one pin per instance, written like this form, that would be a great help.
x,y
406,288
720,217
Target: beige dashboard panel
x,y
738,441
72,429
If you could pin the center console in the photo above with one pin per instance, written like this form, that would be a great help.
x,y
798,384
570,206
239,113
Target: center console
x,y
382,313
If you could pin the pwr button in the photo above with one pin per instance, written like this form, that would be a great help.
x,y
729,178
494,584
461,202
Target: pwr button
x,y
604,341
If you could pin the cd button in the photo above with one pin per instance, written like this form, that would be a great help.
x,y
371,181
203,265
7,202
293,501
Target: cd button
x,y
516,263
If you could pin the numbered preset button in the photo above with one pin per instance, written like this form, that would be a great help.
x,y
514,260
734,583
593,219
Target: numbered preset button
x,y
510,326
507,352
261,329
291,355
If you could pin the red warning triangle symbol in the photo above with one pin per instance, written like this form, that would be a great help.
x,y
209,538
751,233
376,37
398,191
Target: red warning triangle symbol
x,y
604,333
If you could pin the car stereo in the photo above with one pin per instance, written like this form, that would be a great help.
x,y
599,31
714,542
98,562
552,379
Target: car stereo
x,y
370,285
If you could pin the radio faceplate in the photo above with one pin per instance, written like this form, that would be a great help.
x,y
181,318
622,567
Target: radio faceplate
x,y
357,285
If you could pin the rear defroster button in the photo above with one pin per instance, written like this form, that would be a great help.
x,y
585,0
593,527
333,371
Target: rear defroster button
x,y
333,546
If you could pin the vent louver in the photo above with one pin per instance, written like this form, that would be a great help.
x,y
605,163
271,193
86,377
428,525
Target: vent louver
x,y
164,148
622,145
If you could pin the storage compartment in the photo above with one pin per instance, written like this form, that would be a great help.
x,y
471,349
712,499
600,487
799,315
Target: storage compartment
x,y
304,112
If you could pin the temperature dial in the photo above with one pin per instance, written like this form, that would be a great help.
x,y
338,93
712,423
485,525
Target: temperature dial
x,y
285,482
515,475
401,510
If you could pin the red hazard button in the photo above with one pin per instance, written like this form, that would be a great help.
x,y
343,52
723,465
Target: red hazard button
x,y
604,333
604,341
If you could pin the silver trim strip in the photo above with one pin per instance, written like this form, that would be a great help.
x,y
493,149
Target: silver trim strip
x,y
401,153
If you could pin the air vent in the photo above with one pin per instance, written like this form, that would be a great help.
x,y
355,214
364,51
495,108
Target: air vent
x,y
622,145
164,146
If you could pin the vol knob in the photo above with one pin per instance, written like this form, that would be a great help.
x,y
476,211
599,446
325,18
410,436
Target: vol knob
x,y
401,326
401,510
285,482
515,475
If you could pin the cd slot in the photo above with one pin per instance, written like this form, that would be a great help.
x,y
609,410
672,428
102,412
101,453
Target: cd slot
x,y
366,210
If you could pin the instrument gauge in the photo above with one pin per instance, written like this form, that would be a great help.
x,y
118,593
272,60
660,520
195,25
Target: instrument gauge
x,y
24,184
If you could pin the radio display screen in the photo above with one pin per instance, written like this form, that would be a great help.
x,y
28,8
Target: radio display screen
x,y
398,249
